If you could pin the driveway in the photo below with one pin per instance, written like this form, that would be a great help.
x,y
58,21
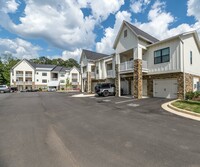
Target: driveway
x,y
57,130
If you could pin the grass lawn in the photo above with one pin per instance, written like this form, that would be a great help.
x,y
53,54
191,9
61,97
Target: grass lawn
x,y
188,105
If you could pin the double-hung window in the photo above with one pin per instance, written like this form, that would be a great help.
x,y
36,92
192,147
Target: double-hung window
x,y
162,56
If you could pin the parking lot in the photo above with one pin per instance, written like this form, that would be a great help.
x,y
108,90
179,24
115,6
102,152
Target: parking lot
x,y
56,129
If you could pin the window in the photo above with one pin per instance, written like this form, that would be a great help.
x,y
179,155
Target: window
x,y
44,81
62,81
125,33
37,73
74,80
44,74
161,56
190,57
62,75
97,70
37,80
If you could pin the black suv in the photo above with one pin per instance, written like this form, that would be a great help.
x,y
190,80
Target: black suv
x,y
105,89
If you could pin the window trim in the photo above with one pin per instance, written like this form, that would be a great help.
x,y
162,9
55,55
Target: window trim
x,y
44,80
161,55
45,74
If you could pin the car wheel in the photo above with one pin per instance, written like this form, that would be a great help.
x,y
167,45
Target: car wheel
x,y
105,93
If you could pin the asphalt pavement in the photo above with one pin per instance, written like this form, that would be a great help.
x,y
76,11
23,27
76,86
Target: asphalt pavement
x,y
58,130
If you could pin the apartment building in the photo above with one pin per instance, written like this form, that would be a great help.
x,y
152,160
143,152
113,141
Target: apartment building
x,y
28,75
146,66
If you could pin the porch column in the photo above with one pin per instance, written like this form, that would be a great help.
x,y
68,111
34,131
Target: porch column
x,y
117,75
89,82
137,75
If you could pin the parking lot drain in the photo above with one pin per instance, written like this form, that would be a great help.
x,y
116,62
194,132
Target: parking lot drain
x,y
133,105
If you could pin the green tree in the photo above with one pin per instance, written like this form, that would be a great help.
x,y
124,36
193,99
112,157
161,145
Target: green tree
x,y
68,84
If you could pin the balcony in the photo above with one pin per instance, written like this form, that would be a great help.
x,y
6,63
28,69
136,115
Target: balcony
x,y
74,83
84,75
128,66
54,79
110,74
93,75
28,83
19,75
29,75
19,83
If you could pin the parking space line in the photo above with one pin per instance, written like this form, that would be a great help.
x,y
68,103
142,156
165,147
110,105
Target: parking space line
x,y
119,102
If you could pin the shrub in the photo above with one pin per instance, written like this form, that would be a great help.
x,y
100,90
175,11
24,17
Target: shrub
x,y
196,94
62,88
40,89
189,95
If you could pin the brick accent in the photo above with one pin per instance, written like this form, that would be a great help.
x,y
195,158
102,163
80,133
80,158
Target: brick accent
x,y
89,82
117,89
137,78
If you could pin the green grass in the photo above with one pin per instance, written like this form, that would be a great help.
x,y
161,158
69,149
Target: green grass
x,y
188,105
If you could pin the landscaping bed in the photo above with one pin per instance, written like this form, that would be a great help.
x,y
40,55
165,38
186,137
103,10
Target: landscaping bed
x,y
193,106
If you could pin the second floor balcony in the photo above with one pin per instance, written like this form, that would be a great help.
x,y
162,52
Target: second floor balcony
x,y
129,66
110,74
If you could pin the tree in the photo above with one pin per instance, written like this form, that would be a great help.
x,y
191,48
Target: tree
x,y
71,62
68,84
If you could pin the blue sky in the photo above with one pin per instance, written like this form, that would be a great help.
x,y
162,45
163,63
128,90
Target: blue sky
x,y
29,29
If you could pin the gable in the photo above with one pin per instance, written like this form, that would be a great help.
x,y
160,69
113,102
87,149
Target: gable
x,y
125,43
23,66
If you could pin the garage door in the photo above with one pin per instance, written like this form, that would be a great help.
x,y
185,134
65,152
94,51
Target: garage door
x,y
166,88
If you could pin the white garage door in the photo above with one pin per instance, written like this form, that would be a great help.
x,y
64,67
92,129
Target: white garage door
x,y
166,88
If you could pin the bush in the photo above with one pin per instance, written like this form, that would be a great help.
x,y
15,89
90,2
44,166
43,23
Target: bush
x,y
40,89
62,88
197,94
189,95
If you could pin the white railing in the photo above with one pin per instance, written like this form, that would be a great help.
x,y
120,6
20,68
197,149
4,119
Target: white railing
x,y
28,82
144,64
54,79
74,83
28,75
92,74
84,75
19,75
110,74
74,77
19,82
126,66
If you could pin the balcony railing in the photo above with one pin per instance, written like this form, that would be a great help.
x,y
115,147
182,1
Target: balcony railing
x,y
74,83
84,75
19,82
126,66
28,75
129,66
19,75
92,74
110,74
28,82
54,79
74,76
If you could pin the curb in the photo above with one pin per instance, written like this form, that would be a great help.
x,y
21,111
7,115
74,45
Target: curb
x,y
183,113
182,110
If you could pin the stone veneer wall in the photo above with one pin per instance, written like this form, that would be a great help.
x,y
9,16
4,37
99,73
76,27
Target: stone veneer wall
x,y
89,82
137,78
180,82
117,89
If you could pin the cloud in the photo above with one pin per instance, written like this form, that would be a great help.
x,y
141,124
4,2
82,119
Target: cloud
x,y
138,6
19,48
72,54
194,8
159,22
61,23
106,43
9,6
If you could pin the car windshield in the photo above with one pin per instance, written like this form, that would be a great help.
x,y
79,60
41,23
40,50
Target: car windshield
x,y
105,86
2,86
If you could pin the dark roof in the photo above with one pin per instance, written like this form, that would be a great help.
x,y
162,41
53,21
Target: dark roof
x,y
141,33
93,55
65,69
41,65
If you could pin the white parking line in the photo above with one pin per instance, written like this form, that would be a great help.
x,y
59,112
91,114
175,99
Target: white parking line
x,y
119,102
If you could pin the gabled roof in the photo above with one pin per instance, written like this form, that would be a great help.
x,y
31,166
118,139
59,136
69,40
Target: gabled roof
x,y
138,32
93,55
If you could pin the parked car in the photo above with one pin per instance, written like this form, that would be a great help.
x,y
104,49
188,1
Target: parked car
x,y
13,89
105,89
52,89
4,89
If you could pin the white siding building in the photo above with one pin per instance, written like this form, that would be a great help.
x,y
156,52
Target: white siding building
x,y
28,75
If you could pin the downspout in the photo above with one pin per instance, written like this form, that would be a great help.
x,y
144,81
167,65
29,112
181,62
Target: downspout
x,y
183,69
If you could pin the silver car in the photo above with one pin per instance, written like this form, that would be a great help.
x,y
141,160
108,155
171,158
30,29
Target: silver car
x,y
4,89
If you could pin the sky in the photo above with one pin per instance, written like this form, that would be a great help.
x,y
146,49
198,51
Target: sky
x,y
62,28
